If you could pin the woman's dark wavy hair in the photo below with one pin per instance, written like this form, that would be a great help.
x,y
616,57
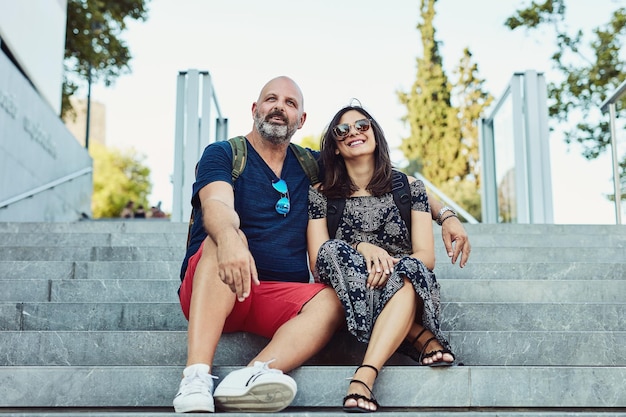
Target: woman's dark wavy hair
x,y
336,182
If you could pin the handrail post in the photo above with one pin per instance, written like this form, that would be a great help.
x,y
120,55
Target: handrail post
x,y
609,104
616,180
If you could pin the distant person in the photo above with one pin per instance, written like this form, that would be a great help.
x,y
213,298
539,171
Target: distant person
x,y
140,213
128,212
156,211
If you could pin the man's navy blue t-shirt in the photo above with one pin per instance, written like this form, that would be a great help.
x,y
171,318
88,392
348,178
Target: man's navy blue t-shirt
x,y
277,242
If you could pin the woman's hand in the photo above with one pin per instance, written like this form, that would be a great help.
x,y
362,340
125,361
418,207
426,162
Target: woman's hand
x,y
379,264
453,232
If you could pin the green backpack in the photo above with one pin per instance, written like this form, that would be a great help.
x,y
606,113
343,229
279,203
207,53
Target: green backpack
x,y
240,154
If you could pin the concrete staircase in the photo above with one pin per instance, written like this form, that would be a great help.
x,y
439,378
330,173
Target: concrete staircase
x,y
90,326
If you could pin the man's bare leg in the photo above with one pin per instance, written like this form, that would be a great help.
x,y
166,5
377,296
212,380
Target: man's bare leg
x,y
303,336
211,303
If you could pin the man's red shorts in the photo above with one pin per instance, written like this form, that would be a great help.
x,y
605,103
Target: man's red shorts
x,y
268,307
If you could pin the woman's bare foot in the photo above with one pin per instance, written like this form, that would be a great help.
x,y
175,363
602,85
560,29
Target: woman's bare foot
x,y
432,352
360,395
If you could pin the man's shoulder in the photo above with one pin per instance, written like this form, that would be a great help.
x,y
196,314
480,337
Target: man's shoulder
x,y
221,147
315,153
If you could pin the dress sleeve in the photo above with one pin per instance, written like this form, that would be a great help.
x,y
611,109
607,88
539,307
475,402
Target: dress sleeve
x,y
419,197
317,204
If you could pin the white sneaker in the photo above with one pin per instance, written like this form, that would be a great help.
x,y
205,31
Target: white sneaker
x,y
256,389
194,393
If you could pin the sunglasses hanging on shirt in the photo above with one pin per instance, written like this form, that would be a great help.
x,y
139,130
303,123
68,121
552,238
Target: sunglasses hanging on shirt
x,y
282,205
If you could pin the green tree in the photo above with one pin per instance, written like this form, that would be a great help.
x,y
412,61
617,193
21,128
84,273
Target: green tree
x,y
93,43
471,100
590,66
118,177
311,141
443,141
434,127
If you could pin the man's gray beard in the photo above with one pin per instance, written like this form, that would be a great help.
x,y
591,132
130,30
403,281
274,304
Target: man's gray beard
x,y
277,134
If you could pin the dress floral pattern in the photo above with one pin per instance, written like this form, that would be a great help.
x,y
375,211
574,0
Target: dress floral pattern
x,y
376,220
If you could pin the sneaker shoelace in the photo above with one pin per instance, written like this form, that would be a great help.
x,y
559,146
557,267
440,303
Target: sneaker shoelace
x,y
198,383
264,366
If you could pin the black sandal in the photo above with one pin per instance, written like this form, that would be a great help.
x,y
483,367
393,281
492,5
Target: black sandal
x,y
410,350
424,355
358,397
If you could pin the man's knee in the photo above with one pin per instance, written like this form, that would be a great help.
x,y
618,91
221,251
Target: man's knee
x,y
326,302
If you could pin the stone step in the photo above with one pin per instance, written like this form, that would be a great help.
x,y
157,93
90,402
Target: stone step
x,y
166,253
98,253
453,290
127,270
177,239
465,316
149,348
337,412
533,291
325,386
533,316
157,269
103,226
166,226
140,240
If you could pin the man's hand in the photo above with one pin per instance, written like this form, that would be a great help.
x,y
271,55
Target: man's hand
x,y
236,266
455,240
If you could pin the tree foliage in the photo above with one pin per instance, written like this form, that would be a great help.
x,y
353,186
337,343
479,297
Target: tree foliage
x,y
591,67
442,115
118,177
311,141
93,43
471,101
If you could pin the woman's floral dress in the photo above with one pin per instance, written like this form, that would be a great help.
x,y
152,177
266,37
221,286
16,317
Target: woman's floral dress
x,y
375,220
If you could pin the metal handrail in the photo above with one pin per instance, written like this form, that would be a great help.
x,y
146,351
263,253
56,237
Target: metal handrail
x,y
610,104
446,199
45,187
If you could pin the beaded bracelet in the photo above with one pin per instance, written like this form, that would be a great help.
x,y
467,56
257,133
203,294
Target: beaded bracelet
x,y
446,218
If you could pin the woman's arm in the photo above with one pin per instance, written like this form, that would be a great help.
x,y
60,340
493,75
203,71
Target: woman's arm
x,y
316,235
422,238
317,229
454,236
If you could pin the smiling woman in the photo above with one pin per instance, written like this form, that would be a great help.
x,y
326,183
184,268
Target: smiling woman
x,y
379,265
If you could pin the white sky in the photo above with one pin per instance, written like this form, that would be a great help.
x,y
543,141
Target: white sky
x,y
335,50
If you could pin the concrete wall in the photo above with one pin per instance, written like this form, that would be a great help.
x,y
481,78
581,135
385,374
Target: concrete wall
x,y
34,32
36,149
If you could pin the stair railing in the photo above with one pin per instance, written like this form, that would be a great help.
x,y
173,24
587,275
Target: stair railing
x,y
610,104
440,194
45,187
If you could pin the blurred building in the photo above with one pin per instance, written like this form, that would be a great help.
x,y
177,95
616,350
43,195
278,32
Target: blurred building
x,y
45,173
78,124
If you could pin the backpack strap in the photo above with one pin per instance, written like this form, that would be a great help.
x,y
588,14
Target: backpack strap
x,y
334,212
240,155
401,196
305,158
307,161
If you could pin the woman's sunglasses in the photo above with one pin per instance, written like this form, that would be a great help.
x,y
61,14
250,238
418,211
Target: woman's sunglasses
x,y
282,205
343,130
